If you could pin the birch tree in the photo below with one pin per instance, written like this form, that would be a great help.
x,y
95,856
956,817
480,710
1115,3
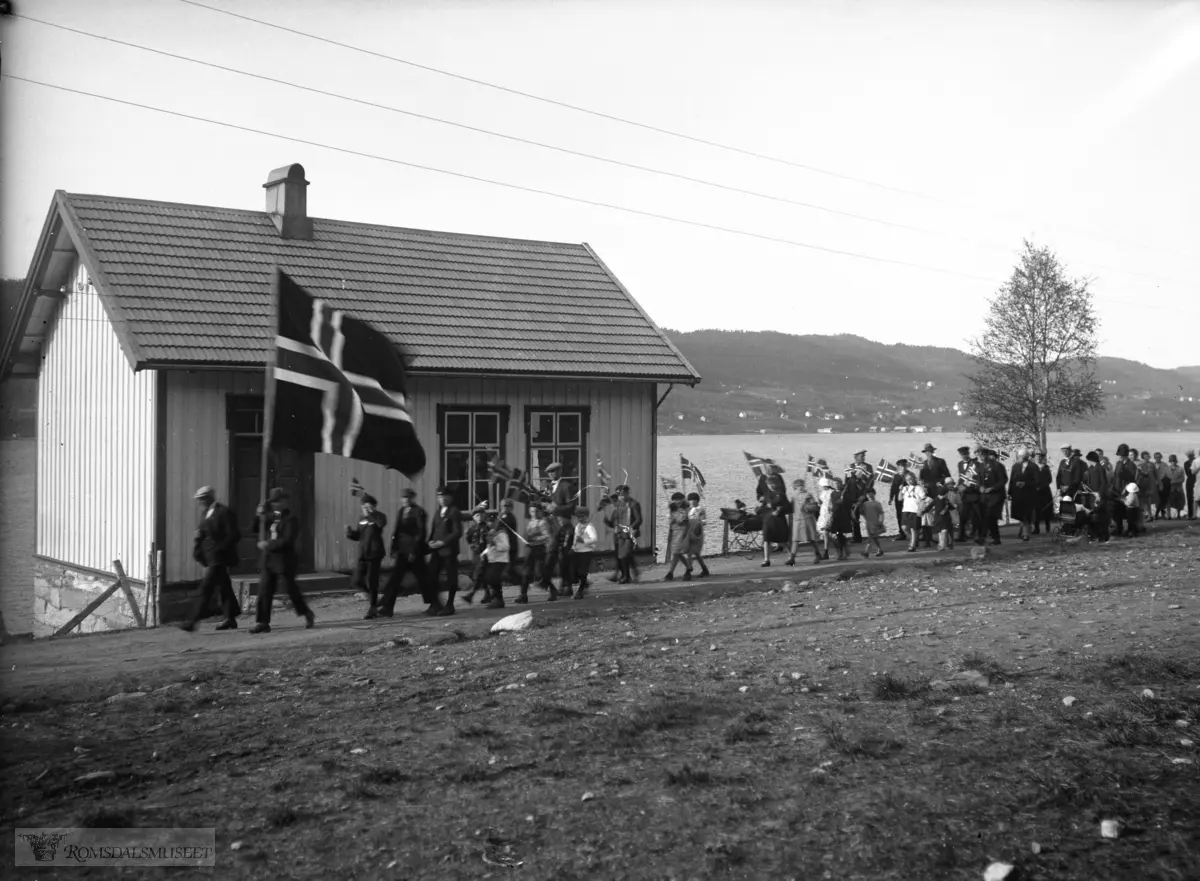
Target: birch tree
x,y
1036,358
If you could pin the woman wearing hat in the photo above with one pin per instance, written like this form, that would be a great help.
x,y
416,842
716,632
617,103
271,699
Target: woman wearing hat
x,y
1023,493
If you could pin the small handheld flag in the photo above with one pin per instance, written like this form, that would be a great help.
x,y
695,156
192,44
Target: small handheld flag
x,y
668,483
691,472
762,467
356,488
887,471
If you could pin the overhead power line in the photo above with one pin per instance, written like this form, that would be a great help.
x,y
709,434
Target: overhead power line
x,y
506,184
766,157
559,149
513,138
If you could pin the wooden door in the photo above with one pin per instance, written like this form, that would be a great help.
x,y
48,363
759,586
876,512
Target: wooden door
x,y
244,496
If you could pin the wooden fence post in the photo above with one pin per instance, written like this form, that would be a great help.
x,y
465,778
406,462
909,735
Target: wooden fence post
x,y
124,583
159,573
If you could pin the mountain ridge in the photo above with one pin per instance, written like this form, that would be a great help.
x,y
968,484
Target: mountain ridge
x,y
779,382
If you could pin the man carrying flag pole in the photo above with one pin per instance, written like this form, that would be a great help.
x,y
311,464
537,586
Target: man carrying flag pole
x,y
334,385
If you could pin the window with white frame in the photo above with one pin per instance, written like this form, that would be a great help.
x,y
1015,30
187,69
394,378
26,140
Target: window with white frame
x,y
470,438
557,435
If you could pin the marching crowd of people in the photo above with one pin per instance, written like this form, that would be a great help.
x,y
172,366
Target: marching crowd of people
x,y
559,539
1089,494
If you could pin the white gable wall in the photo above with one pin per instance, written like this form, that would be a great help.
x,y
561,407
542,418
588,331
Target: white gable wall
x,y
95,445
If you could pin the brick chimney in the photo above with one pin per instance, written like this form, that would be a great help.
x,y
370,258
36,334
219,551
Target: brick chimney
x,y
287,202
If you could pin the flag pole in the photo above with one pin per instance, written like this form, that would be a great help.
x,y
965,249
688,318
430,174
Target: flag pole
x,y
269,401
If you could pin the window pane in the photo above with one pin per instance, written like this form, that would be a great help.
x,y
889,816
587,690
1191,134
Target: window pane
x,y
570,462
458,465
458,429
483,493
460,491
482,457
487,428
542,426
244,422
541,458
568,428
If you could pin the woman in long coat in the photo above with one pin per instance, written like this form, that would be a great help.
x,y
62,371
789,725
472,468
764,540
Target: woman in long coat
x,y
774,523
1023,492
677,538
804,522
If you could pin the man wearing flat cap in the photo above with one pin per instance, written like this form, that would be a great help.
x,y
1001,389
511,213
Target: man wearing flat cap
x,y
407,551
215,549
279,560
445,533
368,532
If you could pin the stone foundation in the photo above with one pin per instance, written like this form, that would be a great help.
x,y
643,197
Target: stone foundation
x,y
60,592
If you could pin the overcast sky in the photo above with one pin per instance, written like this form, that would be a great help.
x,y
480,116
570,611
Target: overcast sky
x,y
1075,124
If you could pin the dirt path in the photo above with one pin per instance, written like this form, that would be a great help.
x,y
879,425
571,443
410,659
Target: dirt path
x,y
910,721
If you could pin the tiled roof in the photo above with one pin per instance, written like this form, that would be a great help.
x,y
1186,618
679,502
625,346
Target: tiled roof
x,y
191,284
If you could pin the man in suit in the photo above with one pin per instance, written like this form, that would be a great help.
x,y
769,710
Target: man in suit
x,y
894,497
935,471
1070,472
859,477
368,532
993,479
445,533
972,500
407,550
215,549
278,560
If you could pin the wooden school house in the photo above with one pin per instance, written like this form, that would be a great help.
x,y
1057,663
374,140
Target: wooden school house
x,y
147,326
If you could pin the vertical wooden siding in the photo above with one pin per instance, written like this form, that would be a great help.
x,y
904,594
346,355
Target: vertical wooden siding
x,y
621,434
198,455
95,460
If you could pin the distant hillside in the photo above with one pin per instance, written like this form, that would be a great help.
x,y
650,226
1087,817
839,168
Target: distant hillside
x,y
756,380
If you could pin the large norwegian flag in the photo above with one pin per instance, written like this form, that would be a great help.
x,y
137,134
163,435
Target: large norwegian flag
x,y
339,385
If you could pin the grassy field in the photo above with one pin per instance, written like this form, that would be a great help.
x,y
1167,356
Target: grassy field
x,y
914,724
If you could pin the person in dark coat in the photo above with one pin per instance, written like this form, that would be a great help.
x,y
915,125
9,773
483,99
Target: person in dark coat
x,y
215,549
859,478
962,466
1097,480
1045,494
1125,472
509,519
970,475
894,498
562,510
993,480
935,470
1070,472
368,532
1023,493
407,550
279,560
1189,483
624,518
445,533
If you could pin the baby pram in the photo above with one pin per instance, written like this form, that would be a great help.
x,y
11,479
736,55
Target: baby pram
x,y
1074,517
743,532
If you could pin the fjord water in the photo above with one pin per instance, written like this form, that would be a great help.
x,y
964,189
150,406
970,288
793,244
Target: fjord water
x,y
729,478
